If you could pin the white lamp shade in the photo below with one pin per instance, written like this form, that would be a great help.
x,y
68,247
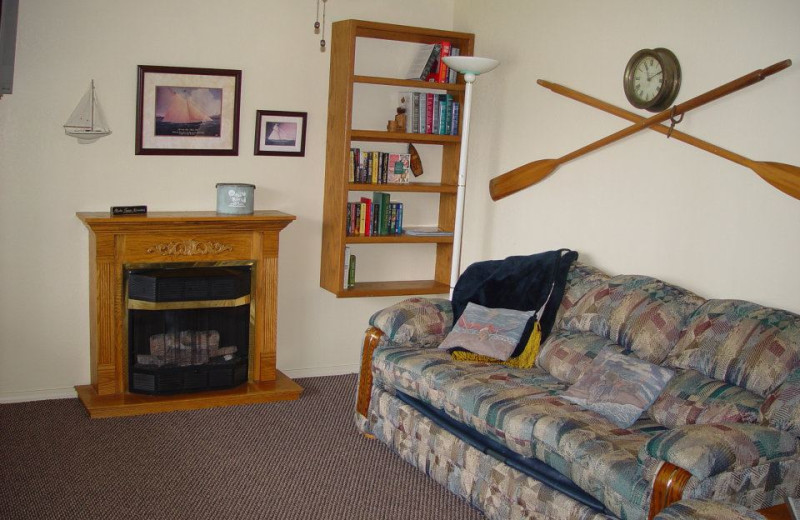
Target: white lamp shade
x,y
470,64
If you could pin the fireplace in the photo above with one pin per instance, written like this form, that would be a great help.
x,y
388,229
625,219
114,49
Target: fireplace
x,y
188,327
183,312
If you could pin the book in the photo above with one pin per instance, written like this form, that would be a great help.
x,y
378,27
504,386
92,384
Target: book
x,y
427,231
382,201
346,275
405,101
442,71
453,75
366,216
424,60
399,168
351,275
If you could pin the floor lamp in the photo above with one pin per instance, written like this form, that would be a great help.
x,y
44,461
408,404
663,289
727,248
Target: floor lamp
x,y
471,67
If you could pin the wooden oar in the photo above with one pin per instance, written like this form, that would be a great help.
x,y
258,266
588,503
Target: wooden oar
x,y
531,173
785,177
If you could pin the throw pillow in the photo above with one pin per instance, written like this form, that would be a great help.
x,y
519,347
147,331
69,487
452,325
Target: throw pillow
x,y
490,332
619,387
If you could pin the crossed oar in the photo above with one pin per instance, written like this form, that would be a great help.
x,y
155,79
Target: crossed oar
x,y
785,177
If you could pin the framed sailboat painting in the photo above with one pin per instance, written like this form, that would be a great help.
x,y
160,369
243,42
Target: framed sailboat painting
x,y
187,111
280,133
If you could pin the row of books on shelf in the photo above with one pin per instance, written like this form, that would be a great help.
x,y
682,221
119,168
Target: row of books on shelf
x,y
428,64
430,113
378,216
379,167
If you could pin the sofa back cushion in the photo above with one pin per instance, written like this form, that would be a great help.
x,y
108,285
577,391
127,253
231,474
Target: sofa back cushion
x,y
642,314
692,398
580,279
781,409
567,354
741,343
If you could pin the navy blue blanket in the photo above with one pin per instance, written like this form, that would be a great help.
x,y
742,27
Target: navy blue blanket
x,y
522,283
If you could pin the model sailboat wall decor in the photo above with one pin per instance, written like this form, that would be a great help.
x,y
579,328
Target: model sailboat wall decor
x,y
87,122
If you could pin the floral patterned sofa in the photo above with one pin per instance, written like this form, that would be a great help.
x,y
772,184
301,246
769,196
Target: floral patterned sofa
x,y
719,441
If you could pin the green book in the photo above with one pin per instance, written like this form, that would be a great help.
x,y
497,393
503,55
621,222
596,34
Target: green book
x,y
382,198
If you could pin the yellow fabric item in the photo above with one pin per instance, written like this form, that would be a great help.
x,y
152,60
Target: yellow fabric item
x,y
526,359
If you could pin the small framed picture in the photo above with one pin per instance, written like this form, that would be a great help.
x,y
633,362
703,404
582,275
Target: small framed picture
x,y
280,133
187,111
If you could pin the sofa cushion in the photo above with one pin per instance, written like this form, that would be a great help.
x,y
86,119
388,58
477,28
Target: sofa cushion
x,y
423,321
707,510
643,314
692,398
741,343
705,450
619,387
781,409
567,354
580,279
490,332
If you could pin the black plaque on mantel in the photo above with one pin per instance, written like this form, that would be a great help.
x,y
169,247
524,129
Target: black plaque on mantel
x,y
128,210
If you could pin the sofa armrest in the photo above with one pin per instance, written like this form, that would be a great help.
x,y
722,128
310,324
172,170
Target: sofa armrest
x,y
705,450
422,321
707,510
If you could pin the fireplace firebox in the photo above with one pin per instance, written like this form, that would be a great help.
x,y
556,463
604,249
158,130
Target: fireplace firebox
x,y
188,328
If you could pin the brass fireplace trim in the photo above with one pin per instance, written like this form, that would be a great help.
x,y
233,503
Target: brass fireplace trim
x,y
141,305
251,348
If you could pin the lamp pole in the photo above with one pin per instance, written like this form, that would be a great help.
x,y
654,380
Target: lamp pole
x,y
471,67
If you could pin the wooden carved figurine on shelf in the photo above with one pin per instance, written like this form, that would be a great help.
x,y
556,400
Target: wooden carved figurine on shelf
x,y
398,124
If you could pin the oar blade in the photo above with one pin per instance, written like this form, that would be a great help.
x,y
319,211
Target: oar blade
x,y
785,177
521,177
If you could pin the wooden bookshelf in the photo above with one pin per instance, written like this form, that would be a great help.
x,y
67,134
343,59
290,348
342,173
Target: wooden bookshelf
x,y
341,134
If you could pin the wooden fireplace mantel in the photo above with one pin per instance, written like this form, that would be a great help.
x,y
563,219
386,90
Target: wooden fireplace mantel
x,y
179,237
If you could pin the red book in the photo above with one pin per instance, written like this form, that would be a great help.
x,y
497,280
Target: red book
x,y
443,71
429,113
367,231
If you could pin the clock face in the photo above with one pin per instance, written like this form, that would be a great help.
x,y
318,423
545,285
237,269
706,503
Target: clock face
x,y
648,78
652,79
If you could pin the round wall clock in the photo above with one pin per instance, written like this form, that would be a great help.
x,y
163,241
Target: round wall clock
x,y
652,79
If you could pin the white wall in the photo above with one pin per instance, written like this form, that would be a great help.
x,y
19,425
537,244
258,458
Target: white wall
x,y
45,177
644,205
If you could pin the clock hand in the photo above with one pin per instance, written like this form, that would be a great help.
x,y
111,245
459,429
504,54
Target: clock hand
x,y
654,75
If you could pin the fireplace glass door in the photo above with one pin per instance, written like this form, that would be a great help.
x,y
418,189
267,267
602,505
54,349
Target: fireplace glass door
x,y
188,328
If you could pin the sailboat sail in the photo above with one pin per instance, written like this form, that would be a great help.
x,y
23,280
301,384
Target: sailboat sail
x,y
183,110
87,121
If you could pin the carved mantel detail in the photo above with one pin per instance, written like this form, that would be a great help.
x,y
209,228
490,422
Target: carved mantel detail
x,y
189,247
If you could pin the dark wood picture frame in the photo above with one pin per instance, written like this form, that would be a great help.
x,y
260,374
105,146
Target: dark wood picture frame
x,y
268,123
187,111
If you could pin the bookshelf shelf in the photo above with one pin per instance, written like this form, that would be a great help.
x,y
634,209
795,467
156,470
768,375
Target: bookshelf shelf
x,y
402,137
417,187
341,135
398,239
410,83
394,288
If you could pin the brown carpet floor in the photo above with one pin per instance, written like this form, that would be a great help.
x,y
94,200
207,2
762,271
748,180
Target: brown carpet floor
x,y
289,460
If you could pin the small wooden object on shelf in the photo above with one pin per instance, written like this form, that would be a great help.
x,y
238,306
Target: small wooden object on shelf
x,y
341,134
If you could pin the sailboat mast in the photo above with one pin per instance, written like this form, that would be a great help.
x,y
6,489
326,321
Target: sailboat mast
x,y
92,113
